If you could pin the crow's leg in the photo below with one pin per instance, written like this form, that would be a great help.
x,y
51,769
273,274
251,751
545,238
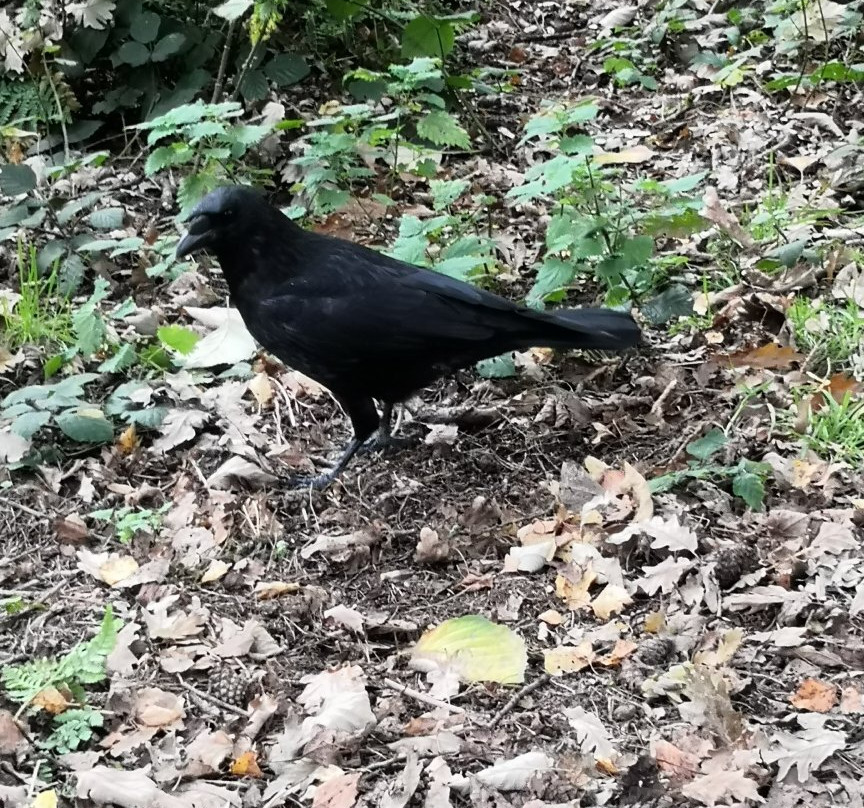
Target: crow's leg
x,y
384,438
364,420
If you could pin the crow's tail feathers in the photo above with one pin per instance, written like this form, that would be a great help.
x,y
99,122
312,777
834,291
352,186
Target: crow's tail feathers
x,y
593,329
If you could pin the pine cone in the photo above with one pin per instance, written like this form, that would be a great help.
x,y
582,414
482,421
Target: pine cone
x,y
656,652
732,563
229,686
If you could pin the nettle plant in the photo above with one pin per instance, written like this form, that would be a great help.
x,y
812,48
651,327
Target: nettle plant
x,y
601,225
403,122
208,139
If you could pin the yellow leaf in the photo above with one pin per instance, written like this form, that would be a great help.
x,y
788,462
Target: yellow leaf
x,y
573,590
51,700
611,600
215,571
128,441
655,622
269,590
246,765
118,568
262,388
45,799
638,154
476,648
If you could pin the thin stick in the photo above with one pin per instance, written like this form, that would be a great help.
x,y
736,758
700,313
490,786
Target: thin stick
x,y
24,508
422,697
517,697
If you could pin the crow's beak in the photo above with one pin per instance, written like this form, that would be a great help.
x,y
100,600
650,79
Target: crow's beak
x,y
199,236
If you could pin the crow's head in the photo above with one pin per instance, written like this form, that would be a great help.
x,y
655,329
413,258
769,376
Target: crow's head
x,y
225,216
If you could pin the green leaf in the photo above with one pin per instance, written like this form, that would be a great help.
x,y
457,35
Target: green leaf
x,y
708,445
107,218
446,192
16,179
133,53
285,69
124,358
192,188
345,9
750,487
145,27
552,276
178,338
168,46
476,648
674,301
254,86
498,367
29,423
442,129
233,9
426,36
164,156
86,426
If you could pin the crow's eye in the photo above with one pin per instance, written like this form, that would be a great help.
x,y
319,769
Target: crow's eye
x,y
228,213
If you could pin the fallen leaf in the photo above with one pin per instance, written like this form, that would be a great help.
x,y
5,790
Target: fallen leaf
x,y
517,773
270,590
567,658
637,154
262,388
337,792
110,568
770,356
622,649
816,696
611,600
246,765
216,570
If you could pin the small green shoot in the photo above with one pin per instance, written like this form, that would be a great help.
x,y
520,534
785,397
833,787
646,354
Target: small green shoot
x,y
41,315
70,674
832,334
747,477
129,521
836,430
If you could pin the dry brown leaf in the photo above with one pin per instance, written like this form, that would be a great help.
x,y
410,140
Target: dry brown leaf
x,y
572,585
270,590
128,441
709,789
768,357
850,701
337,792
52,700
215,571
344,616
678,764
158,708
262,388
110,568
11,737
551,617
567,658
622,649
71,529
611,600
815,696
431,549
714,212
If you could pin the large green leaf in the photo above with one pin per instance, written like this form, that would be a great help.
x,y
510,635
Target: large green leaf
x,y
86,426
426,36
16,179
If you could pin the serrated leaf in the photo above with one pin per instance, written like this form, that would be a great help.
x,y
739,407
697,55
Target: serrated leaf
x,y
254,86
124,358
426,36
442,129
709,444
16,179
674,301
168,46
552,275
286,69
179,339
478,649
498,367
750,487
86,426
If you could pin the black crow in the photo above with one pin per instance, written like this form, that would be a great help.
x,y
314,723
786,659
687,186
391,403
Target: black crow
x,y
362,324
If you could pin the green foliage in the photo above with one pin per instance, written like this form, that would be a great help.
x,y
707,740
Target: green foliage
x,y
836,430
347,140
206,138
26,102
833,335
84,665
41,315
129,521
747,477
602,226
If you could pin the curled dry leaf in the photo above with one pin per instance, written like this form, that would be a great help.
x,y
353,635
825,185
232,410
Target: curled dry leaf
x,y
344,616
816,696
568,658
109,568
517,773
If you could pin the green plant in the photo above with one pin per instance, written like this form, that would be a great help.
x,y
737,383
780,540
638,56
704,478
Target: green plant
x,y
602,226
128,521
203,138
833,335
40,315
626,73
836,430
747,477
70,675
404,133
